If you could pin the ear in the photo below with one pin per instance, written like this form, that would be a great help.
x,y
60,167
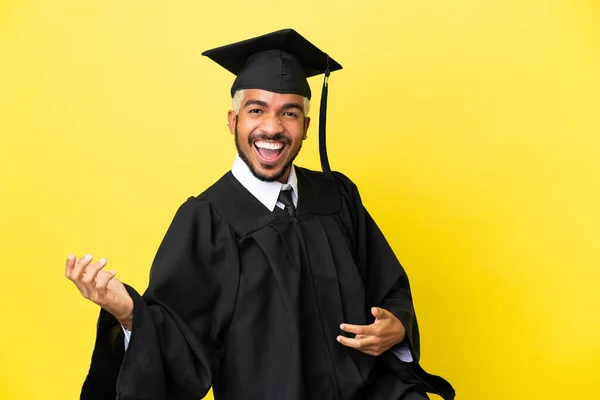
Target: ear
x,y
306,125
231,121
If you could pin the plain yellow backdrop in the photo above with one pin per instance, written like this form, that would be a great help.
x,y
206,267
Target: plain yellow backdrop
x,y
471,127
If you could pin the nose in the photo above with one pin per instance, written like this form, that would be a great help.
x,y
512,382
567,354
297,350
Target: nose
x,y
272,125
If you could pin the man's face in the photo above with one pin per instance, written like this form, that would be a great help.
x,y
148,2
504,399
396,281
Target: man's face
x,y
269,131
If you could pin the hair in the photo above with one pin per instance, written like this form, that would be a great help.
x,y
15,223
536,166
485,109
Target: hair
x,y
236,103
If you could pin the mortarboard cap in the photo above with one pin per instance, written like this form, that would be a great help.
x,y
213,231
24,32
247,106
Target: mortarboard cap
x,y
279,62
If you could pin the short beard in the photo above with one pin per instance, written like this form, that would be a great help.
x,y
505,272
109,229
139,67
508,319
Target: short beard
x,y
258,175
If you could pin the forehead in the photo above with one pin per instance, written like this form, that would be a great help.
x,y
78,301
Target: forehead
x,y
272,98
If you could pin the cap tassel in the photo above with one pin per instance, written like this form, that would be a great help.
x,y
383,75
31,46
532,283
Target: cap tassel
x,y
322,127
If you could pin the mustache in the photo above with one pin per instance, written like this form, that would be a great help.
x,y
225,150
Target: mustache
x,y
278,137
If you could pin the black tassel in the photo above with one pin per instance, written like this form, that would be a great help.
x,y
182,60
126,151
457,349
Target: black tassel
x,y
323,126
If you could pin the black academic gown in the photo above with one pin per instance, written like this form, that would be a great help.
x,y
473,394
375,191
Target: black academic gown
x,y
249,301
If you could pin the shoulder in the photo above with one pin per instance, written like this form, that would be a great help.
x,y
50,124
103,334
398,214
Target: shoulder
x,y
319,178
196,214
215,192
211,198
340,180
327,195
345,182
201,207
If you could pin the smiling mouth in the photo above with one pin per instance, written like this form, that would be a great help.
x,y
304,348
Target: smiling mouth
x,y
269,151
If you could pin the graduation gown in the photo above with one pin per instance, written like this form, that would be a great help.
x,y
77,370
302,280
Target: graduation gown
x,y
249,301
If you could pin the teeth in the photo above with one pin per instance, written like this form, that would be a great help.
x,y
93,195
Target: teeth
x,y
269,145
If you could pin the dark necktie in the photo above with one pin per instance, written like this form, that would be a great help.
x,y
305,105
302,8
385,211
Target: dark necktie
x,y
285,198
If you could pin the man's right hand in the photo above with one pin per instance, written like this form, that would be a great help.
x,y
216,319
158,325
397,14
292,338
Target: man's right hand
x,y
101,287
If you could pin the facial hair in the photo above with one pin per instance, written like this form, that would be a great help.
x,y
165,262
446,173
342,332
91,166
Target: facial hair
x,y
245,157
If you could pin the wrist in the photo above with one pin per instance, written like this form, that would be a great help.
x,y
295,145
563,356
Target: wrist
x,y
400,332
126,318
127,322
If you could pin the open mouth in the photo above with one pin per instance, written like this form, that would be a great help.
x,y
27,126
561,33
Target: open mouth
x,y
269,152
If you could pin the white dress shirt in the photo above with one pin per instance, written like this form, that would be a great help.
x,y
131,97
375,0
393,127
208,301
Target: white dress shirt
x,y
268,193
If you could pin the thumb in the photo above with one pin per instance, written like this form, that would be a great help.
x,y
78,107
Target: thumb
x,y
377,312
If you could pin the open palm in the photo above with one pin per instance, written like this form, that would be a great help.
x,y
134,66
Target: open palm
x,y
101,287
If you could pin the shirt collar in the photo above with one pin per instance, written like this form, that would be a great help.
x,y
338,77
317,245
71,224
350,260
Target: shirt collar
x,y
265,192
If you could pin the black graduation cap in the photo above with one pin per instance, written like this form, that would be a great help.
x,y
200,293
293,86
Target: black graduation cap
x,y
279,62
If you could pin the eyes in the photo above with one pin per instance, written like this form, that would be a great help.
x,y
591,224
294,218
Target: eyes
x,y
287,114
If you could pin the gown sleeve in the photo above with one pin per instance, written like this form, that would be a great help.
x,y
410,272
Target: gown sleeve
x,y
387,286
178,323
385,280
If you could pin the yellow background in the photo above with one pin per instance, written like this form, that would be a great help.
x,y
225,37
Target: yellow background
x,y
471,127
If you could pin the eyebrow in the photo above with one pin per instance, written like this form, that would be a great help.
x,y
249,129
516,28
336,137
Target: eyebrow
x,y
292,105
264,104
256,102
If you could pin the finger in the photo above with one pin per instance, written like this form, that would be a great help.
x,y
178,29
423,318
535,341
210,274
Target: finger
x,y
70,264
359,344
358,329
80,266
103,279
370,345
92,271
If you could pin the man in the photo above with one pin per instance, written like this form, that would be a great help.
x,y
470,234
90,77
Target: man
x,y
274,283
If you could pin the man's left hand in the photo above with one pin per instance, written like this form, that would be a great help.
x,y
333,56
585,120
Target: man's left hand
x,y
377,338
